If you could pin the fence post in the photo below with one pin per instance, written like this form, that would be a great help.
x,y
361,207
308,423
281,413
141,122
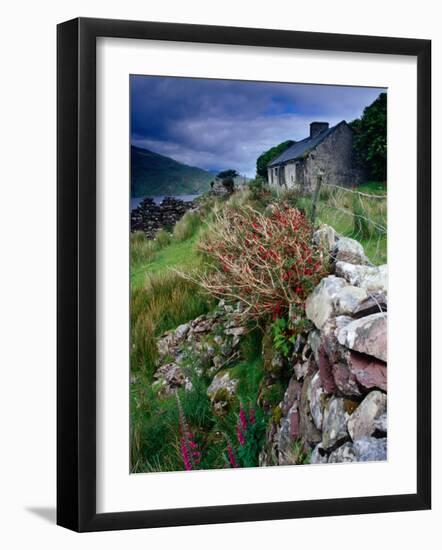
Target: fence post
x,y
316,196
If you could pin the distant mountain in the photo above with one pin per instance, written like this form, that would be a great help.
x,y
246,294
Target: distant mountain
x,y
153,174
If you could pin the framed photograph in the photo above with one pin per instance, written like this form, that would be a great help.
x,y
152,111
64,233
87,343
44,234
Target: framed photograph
x,y
243,274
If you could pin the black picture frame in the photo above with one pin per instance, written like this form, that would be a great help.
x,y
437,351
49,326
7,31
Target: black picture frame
x,y
76,274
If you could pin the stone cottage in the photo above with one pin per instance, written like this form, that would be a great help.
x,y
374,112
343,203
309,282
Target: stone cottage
x,y
327,151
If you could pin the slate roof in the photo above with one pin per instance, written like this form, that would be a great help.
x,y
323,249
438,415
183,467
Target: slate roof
x,y
298,149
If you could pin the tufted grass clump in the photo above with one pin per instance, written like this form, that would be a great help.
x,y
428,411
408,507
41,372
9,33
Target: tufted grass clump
x,y
173,300
142,250
162,238
187,226
162,303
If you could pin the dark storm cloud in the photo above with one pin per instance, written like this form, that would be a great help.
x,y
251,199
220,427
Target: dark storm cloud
x,y
217,124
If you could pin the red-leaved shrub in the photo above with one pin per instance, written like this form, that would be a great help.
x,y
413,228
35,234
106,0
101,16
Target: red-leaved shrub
x,y
266,261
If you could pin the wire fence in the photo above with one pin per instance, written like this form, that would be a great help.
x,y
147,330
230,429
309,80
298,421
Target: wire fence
x,y
361,215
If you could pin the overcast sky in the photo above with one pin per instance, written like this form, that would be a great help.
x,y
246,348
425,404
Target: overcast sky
x,y
220,124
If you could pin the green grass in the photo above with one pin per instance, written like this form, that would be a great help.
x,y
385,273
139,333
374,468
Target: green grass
x,y
348,213
187,226
161,299
155,428
375,187
180,255
142,251
250,371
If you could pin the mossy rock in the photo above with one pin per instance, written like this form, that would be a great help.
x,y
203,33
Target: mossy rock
x,y
277,415
270,394
221,395
274,362
222,392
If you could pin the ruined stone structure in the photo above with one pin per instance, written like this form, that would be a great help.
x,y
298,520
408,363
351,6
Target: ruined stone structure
x,y
150,217
326,152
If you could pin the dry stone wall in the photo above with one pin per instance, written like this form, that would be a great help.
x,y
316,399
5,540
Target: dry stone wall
x,y
150,217
334,408
335,405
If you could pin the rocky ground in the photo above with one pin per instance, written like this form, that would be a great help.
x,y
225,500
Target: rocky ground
x,y
212,343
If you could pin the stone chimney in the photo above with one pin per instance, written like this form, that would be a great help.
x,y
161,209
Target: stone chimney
x,y
317,127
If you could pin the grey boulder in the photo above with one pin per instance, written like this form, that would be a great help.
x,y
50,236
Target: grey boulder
x,y
362,422
224,383
334,424
367,335
319,455
349,250
325,238
320,305
371,278
316,398
370,449
344,453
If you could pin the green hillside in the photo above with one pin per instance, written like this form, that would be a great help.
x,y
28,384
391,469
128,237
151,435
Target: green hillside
x,y
153,174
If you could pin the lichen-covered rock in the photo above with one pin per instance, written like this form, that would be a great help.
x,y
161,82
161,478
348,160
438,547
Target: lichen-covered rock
x,y
288,433
292,395
206,344
235,331
344,453
380,423
333,297
314,341
166,344
349,299
325,372
334,424
221,390
300,369
319,455
370,449
202,325
349,250
329,340
171,376
362,422
369,372
367,335
325,238
181,331
309,432
316,396
345,380
320,305
370,278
